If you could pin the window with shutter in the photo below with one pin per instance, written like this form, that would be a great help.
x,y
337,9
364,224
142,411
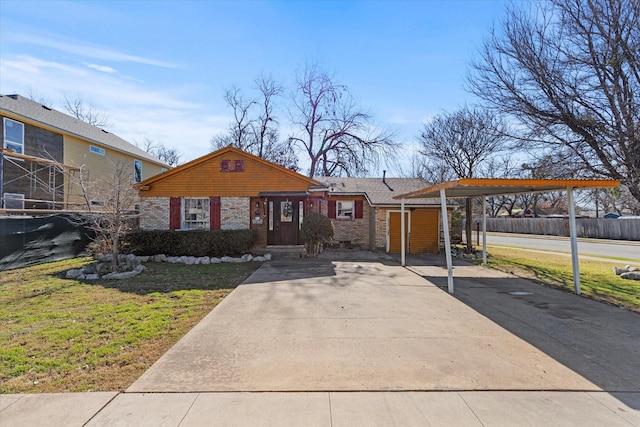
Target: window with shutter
x,y
214,212
331,209
359,209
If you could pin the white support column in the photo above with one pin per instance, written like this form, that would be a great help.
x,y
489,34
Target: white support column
x,y
402,235
484,231
447,239
574,241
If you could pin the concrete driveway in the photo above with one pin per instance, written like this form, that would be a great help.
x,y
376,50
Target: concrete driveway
x,y
319,325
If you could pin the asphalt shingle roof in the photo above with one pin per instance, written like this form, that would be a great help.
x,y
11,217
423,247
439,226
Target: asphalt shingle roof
x,y
378,192
28,109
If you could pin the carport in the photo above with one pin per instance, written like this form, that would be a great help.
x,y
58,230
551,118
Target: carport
x,y
483,187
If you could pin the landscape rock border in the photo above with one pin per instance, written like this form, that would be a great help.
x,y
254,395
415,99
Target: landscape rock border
x,y
628,272
133,264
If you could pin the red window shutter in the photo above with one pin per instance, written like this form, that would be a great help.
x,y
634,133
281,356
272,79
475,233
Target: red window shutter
x,y
331,209
174,213
359,206
214,213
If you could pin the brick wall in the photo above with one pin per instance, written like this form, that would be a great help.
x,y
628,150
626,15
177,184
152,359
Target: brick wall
x,y
154,213
259,221
355,231
235,213
381,229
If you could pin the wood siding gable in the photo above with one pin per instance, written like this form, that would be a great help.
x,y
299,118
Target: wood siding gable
x,y
228,173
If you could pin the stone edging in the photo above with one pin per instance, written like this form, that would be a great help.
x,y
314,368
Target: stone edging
x,y
134,263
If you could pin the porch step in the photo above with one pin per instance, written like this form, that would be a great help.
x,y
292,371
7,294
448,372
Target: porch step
x,y
284,250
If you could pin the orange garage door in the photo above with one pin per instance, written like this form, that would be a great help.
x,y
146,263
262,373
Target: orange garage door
x,y
424,231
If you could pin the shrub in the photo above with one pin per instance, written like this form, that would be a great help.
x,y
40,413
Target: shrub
x,y
316,229
212,243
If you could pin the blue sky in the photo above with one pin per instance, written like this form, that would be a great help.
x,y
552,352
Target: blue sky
x,y
158,69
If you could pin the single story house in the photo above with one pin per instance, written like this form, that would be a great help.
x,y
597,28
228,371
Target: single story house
x,y
232,189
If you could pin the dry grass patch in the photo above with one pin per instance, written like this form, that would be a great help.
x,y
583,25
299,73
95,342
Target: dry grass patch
x,y
61,335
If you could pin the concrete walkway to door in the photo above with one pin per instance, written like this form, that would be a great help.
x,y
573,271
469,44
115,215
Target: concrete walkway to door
x,y
367,342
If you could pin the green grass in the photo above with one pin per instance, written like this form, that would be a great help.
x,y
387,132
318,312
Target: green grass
x,y
613,258
61,335
596,277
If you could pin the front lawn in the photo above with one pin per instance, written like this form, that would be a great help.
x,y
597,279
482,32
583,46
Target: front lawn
x,y
61,335
596,276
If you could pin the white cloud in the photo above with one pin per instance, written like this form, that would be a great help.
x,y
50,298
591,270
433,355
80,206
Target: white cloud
x,y
90,51
102,68
135,110
188,131
31,65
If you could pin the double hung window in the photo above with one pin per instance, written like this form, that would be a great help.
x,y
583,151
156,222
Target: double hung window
x,y
344,209
14,135
196,213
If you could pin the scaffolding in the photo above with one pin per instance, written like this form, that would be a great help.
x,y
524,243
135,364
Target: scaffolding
x,y
46,174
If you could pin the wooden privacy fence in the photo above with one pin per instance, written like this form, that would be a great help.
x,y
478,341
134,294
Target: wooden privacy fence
x,y
600,228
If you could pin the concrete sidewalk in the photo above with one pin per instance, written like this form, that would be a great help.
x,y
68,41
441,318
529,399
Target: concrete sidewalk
x,y
309,409
364,342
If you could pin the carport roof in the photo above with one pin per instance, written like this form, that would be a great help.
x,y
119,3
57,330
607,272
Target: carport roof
x,y
472,187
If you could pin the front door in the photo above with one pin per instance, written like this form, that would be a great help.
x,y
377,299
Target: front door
x,y
284,218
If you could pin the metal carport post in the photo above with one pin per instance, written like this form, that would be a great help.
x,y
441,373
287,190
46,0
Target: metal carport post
x,y
447,238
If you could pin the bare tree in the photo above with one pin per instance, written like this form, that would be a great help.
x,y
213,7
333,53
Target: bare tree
x,y
432,173
35,96
170,156
569,72
240,128
618,200
462,142
255,126
109,204
499,167
333,132
76,106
